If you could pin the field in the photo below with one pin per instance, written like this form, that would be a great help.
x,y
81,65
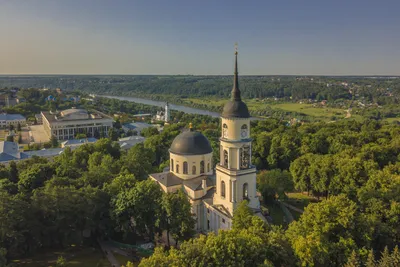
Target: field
x,y
308,109
390,120
318,113
75,256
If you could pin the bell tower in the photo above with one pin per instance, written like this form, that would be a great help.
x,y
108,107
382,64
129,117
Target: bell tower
x,y
167,113
235,174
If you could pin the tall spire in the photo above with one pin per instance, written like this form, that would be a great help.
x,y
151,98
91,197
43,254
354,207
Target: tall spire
x,y
235,94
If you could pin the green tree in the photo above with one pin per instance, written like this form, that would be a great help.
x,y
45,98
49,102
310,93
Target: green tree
x,y
10,138
3,258
54,141
242,216
19,127
138,209
11,127
139,161
370,259
113,134
324,234
13,170
149,131
61,262
274,183
396,256
117,124
386,259
353,260
178,217
80,136
299,170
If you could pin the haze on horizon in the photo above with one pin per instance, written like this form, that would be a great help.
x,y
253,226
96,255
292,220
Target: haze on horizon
x,y
196,37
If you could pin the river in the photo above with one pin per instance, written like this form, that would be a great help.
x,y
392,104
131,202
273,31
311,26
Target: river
x,y
162,104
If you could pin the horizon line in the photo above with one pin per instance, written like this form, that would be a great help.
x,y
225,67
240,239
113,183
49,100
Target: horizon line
x,y
113,74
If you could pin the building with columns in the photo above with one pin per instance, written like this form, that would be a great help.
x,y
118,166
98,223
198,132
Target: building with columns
x,y
215,195
70,122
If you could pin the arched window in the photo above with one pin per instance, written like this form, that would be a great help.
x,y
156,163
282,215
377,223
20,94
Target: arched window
x,y
177,168
245,191
185,167
244,131
225,158
201,166
208,167
193,169
225,131
172,165
222,189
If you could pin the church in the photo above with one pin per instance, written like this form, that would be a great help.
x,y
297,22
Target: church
x,y
214,196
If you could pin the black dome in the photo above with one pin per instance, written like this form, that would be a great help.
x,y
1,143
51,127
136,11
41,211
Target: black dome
x,y
190,143
235,109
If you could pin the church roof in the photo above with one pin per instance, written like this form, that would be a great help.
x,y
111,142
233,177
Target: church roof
x,y
196,183
167,178
190,143
235,107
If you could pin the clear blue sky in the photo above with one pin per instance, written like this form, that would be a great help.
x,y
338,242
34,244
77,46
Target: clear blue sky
x,y
353,37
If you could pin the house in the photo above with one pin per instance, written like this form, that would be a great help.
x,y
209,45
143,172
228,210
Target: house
x,y
136,126
11,119
127,142
78,142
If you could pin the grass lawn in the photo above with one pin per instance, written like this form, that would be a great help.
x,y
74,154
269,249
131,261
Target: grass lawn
x,y
299,200
390,120
75,256
308,109
321,113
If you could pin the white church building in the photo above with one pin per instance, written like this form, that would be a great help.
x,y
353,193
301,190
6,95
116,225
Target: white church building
x,y
215,195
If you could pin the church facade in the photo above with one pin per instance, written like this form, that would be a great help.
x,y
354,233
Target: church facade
x,y
215,195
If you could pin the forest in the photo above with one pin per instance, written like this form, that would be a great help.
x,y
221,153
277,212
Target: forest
x,y
367,97
295,87
351,168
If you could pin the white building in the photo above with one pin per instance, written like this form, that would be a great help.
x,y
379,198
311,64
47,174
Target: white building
x,y
164,115
11,119
68,123
78,142
214,197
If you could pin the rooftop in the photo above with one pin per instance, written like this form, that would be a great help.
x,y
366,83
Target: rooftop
x,y
137,125
11,117
10,151
75,142
74,114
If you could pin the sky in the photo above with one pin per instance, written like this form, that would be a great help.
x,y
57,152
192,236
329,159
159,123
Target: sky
x,y
275,37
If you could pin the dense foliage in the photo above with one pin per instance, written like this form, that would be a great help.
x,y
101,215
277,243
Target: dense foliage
x,y
96,190
89,193
199,86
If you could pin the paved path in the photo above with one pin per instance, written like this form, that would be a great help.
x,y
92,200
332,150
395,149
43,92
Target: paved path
x,y
293,207
108,252
288,215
